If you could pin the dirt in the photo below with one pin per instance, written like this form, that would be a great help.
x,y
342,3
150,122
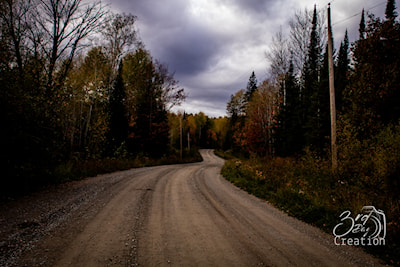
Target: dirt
x,y
186,215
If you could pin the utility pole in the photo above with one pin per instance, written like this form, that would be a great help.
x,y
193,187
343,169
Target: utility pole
x,y
188,137
180,134
332,93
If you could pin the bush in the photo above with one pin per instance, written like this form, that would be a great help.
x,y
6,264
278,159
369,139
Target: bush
x,y
368,174
76,169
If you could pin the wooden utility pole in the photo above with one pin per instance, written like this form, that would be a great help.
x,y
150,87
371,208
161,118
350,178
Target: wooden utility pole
x,y
332,93
180,134
188,137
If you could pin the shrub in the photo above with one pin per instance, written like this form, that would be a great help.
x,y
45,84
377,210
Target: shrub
x,y
368,174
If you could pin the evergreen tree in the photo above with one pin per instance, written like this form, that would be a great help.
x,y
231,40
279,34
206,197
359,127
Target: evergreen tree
x,y
322,132
310,91
251,86
341,72
390,12
373,93
361,30
119,124
288,135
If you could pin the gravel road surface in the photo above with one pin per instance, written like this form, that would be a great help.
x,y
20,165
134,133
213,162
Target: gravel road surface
x,y
179,215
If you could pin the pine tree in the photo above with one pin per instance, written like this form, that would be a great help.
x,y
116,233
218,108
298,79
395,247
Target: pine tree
x,y
341,72
390,12
288,135
251,86
310,101
322,132
373,93
361,30
119,124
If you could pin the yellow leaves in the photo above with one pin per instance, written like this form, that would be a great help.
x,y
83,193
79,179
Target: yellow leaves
x,y
259,175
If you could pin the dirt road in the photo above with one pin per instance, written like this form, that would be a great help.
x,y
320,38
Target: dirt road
x,y
180,215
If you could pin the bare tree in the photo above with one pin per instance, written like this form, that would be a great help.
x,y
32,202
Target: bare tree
x,y
172,93
300,30
14,24
120,35
294,47
65,24
278,56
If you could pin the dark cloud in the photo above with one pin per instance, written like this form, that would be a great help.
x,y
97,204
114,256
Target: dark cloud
x,y
214,45
189,51
256,8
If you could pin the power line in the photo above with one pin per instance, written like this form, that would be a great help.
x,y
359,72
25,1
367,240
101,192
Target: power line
x,y
357,14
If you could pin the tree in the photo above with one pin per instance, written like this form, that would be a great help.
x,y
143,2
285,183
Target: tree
x,y
259,124
237,105
342,71
86,104
199,126
172,93
219,128
120,36
278,56
301,28
373,92
64,24
288,135
390,11
362,26
251,86
119,124
15,25
148,90
322,132
236,109
310,91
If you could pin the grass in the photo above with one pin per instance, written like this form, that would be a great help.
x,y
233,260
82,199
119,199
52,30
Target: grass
x,y
307,189
77,169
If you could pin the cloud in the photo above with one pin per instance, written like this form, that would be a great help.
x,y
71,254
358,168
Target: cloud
x,y
214,45
189,50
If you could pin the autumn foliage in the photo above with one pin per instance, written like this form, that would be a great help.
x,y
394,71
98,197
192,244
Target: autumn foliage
x,y
64,101
281,135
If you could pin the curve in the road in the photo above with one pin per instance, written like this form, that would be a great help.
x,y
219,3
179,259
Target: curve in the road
x,y
186,215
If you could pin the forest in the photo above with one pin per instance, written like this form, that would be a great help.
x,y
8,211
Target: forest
x,y
279,131
78,86
81,94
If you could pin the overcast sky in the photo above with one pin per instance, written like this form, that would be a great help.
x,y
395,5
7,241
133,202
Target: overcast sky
x,y
212,46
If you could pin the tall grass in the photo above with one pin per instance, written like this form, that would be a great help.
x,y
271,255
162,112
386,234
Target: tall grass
x,y
368,174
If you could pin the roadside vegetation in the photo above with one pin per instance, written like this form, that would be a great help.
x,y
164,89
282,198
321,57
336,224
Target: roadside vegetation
x,y
69,110
76,169
307,189
278,141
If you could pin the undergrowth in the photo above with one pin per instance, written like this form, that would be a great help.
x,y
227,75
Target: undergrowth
x,y
77,169
307,189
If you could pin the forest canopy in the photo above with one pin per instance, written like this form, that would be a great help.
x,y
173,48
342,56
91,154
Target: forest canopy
x,y
66,96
